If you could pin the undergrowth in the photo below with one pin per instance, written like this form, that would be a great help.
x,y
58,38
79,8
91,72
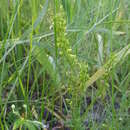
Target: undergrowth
x,y
64,64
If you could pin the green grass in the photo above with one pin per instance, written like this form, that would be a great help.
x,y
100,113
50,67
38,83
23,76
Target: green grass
x,y
65,63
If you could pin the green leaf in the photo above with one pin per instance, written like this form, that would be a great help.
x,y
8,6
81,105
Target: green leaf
x,y
38,20
118,57
41,56
67,8
24,123
18,123
29,125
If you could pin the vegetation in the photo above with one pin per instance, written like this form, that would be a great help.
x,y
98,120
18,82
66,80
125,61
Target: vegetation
x,y
64,64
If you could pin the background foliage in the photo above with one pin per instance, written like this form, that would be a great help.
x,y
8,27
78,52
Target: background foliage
x,y
65,64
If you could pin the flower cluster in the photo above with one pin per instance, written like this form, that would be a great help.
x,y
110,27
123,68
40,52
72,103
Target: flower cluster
x,y
63,44
77,72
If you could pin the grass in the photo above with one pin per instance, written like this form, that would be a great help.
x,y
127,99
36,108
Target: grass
x,y
65,64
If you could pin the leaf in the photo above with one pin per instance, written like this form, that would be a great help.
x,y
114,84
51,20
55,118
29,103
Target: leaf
x,y
3,7
67,8
29,125
119,33
18,123
24,123
38,20
118,57
4,72
39,124
41,15
100,49
43,59
47,63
